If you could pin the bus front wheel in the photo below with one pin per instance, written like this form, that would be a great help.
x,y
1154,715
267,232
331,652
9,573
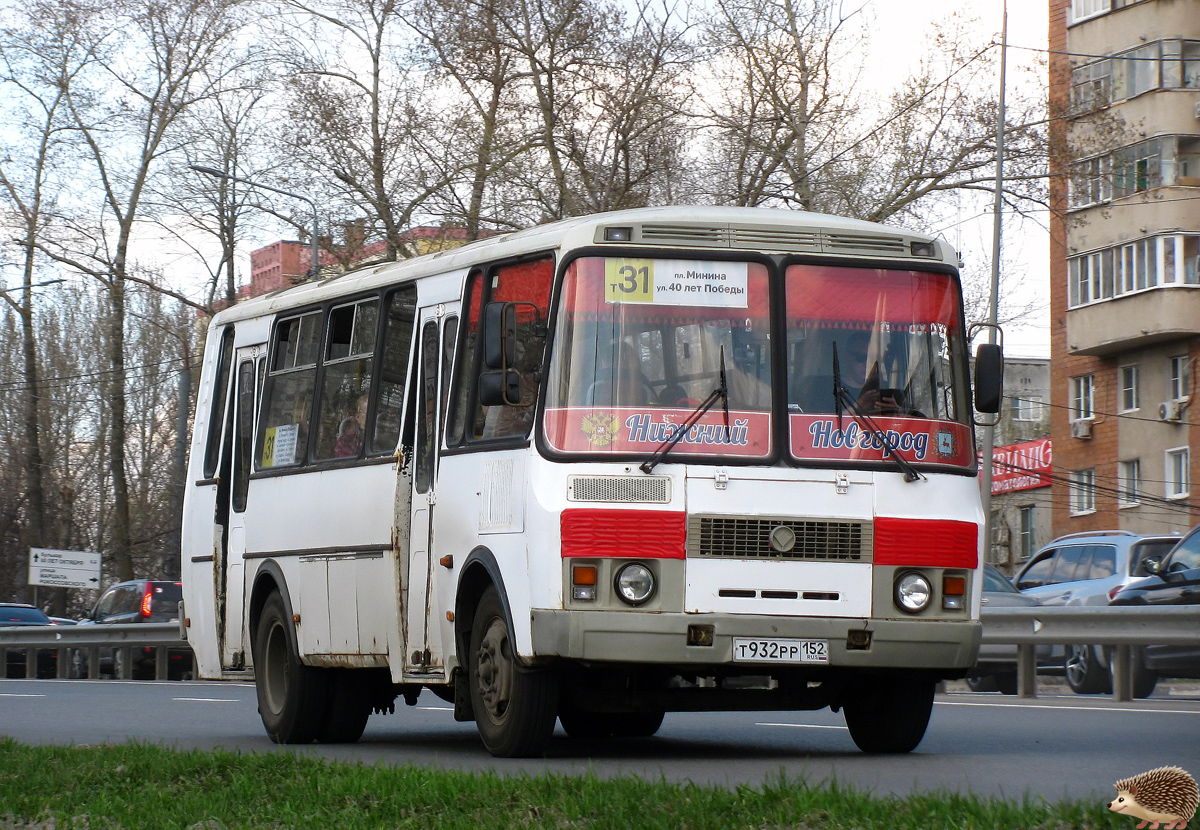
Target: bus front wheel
x,y
891,716
515,707
291,696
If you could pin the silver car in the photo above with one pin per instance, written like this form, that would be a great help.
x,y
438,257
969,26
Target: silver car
x,y
995,669
1089,569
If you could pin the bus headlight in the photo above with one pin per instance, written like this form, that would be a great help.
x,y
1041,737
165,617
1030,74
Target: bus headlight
x,y
635,583
912,592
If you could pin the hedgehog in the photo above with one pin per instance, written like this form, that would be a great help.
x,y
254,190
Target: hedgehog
x,y
1166,794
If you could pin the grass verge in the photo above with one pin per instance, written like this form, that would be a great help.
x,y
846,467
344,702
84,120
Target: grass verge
x,y
142,786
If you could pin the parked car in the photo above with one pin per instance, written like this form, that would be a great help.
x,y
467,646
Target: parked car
x,y
136,601
996,668
1089,569
14,614
1175,580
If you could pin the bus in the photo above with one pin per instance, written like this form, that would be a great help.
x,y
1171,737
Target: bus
x,y
658,460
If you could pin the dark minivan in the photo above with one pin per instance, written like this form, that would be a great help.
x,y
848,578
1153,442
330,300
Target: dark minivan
x,y
137,601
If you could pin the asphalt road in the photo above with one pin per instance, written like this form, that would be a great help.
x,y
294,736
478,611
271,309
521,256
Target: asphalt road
x,y
1059,746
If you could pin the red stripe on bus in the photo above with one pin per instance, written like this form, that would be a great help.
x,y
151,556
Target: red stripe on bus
x,y
936,543
641,534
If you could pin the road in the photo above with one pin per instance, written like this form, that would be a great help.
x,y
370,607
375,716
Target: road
x,y
1057,747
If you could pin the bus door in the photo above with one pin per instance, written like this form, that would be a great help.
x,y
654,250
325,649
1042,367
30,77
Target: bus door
x,y
231,571
437,326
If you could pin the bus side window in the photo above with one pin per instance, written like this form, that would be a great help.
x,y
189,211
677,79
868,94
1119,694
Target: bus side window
x,y
399,319
220,392
527,284
291,381
244,436
346,379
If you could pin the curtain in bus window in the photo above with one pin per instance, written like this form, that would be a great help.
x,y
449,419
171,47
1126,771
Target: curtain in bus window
x,y
346,381
640,343
283,434
399,321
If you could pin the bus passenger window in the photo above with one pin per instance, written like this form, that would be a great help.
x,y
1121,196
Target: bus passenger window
x,y
283,434
399,319
346,381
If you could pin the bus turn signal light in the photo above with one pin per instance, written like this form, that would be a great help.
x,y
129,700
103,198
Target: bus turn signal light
x,y
953,589
583,582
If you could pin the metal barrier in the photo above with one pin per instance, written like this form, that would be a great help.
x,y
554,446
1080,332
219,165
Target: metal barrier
x,y
64,639
1100,625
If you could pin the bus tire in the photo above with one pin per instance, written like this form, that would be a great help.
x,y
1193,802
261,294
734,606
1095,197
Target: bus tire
x,y
635,724
292,697
515,708
890,716
348,709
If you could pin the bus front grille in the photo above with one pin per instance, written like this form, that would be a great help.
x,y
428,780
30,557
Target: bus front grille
x,y
776,537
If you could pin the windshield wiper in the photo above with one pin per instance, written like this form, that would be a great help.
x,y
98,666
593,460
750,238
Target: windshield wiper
x,y
722,392
842,399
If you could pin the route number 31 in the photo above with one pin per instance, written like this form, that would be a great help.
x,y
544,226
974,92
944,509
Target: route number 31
x,y
629,280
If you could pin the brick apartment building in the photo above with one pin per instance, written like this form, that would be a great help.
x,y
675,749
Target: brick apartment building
x,y
1125,262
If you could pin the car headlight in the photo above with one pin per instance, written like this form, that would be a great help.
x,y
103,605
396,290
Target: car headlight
x,y
912,592
635,583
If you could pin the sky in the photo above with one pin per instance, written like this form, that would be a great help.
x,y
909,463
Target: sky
x,y
898,42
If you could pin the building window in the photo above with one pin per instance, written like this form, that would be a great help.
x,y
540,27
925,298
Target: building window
x,y
1161,64
1081,397
1091,181
1083,9
1028,542
1083,491
1130,399
1026,408
1128,482
1177,476
1180,385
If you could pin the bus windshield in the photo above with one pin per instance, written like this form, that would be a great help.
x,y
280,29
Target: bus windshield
x,y
640,343
891,343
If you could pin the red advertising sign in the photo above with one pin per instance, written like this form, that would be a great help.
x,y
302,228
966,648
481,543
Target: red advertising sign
x,y
624,429
1022,466
915,439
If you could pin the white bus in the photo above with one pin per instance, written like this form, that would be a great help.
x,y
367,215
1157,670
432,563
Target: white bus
x,y
668,459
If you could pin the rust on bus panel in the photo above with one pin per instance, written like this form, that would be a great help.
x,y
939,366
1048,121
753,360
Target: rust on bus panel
x,y
348,661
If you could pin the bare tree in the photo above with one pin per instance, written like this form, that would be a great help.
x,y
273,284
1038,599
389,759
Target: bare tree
x,y
38,60
152,62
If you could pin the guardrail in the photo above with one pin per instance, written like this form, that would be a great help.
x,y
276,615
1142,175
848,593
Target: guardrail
x,y
1120,627
64,639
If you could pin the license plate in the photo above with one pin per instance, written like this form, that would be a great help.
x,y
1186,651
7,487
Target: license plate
x,y
766,650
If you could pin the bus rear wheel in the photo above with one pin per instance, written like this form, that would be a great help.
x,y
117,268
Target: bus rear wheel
x,y
292,697
890,716
515,707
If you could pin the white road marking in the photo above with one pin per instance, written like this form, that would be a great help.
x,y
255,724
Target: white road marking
x,y
435,708
802,725
1032,705
209,699
14,694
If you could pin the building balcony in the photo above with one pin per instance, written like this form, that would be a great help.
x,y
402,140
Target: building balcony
x,y
1132,321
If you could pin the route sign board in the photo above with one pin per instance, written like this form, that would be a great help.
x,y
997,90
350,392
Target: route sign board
x,y
64,568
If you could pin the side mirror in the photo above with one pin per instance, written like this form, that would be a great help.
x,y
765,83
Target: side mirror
x,y
1151,564
989,378
501,387
499,335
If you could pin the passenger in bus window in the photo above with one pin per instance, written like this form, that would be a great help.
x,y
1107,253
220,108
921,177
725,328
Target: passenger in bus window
x,y
350,432
627,384
859,371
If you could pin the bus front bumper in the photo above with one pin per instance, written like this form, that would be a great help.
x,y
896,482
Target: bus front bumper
x,y
663,638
